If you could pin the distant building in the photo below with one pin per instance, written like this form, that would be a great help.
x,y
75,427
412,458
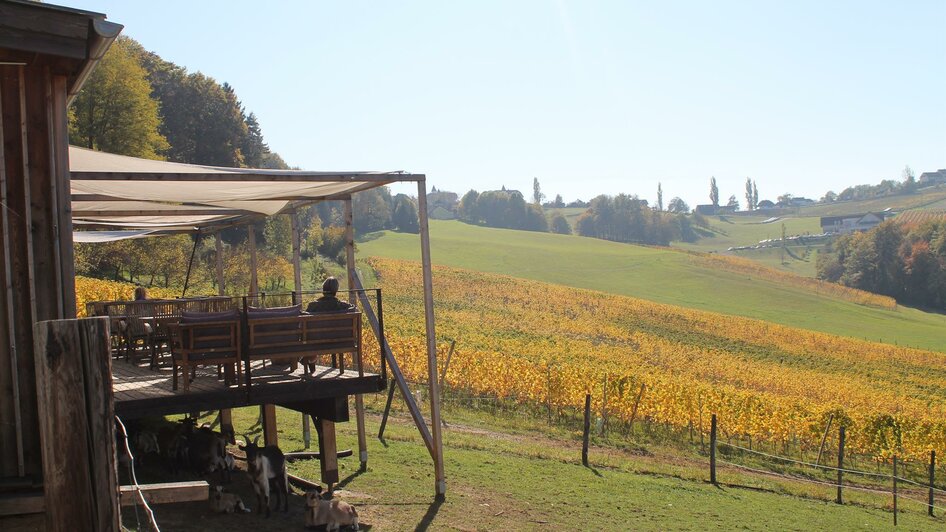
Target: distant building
x,y
850,223
727,209
801,202
932,178
706,210
765,204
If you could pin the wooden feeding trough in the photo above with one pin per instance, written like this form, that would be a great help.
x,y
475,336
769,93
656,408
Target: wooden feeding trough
x,y
57,379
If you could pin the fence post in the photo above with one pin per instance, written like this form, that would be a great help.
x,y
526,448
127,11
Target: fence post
x,y
932,473
387,409
894,490
824,439
584,444
840,461
713,450
604,406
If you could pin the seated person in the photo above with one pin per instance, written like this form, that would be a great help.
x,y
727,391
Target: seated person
x,y
141,293
328,302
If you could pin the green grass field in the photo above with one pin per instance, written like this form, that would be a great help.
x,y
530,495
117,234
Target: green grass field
x,y
925,198
656,274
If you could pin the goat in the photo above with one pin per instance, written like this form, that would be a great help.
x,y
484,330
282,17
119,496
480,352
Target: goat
x,y
323,509
174,441
207,451
266,467
225,503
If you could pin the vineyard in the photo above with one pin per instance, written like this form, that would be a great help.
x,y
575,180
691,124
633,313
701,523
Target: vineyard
x,y
88,289
549,345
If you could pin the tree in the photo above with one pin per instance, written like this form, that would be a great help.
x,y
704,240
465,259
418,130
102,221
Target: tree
x,y
537,195
755,195
750,205
909,180
559,202
660,197
714,192
829,197
560,224
678,206
733,202
467,211
404,217
115,111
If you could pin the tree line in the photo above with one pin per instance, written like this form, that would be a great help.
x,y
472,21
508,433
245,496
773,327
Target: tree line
x,y
907,263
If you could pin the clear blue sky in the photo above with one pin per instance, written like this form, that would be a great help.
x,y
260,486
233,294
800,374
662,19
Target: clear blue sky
x,y
590,97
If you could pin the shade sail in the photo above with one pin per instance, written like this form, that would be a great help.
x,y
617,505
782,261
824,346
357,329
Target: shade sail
x,y
98,237
127,192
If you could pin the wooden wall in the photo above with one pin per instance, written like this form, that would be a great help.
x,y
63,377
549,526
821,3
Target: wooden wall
x,y
36,258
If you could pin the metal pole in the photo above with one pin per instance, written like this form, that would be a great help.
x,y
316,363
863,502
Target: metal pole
x,y
932,477
895,490
350,267
435,425
587,429
218,243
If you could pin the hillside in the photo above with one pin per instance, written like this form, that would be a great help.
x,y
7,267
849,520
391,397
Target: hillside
x,y
657,274
932,197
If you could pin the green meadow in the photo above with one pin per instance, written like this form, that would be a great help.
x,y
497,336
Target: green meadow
x,y
657,274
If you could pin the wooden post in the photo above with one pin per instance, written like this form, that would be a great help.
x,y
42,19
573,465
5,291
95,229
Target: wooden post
x,y
932,478
713,450
840,461
270,436
387,409
587,429
221,283
226,425
251,243
894,490
443,373
297,289
637,403
328,451
604,405
440,486
77,424
350,267
824,438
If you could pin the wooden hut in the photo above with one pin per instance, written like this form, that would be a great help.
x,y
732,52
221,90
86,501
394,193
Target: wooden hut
x,y
56,397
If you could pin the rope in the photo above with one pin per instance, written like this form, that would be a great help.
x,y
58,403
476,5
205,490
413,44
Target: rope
x,y
134,479
801,479
809,464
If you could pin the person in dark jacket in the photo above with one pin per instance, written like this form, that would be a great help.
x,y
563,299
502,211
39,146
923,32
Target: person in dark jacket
x,y
328,302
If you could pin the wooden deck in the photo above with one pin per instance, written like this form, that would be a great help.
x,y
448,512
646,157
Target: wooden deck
x,y
140,391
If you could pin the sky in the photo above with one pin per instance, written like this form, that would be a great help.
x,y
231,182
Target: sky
x,y
588,97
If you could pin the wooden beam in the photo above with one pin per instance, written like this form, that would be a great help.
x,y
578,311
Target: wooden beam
x,y
350,267
22,504
271,176
80,473
168,492
270,435
251,242
296,253
328,451
221,281
432,377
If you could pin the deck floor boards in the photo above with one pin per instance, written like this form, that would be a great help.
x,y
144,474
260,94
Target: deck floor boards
x,y
140,391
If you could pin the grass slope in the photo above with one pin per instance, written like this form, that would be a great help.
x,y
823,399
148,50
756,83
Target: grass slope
x,y
661,275
924,198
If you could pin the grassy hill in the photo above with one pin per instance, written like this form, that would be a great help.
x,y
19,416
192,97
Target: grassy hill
x,y
928,197
657,274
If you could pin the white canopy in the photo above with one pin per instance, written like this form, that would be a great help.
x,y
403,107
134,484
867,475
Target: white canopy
x,y
126,192
111,236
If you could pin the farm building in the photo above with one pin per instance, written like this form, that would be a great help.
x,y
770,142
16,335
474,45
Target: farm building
x,y
59,388
932,178
849,223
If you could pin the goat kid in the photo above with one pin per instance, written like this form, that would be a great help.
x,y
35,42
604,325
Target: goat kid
x,y
207,451
266,467
323,509
226,503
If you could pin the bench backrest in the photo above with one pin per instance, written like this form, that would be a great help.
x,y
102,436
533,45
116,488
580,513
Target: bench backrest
x,y
304,334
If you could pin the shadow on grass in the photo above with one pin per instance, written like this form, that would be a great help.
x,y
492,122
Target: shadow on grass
x,y
428,518
345,481
594,470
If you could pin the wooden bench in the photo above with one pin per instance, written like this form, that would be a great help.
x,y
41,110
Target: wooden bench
x,y
209,339
305,336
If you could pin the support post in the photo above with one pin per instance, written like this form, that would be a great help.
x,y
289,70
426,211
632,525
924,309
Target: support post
x,y
894,490
350,267
254,280
840,461
435,426
387,409
587,429
218,244
190,264
297,289
328,451
270,436
77,424
932,478
713,450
